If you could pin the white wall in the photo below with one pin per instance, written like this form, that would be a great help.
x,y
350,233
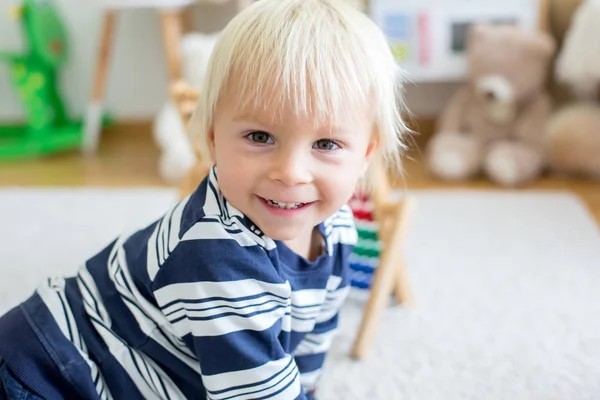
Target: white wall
x,y
137,79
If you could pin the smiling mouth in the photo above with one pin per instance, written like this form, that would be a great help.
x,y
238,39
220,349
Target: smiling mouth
x,y
286,206
283,205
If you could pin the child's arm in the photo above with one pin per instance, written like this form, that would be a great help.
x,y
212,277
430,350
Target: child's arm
x,y
311,352
227,308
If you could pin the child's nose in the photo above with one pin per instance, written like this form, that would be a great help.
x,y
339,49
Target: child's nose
x,y
291,168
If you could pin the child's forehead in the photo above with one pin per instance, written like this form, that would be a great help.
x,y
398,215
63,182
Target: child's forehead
x,y
289,115
276,111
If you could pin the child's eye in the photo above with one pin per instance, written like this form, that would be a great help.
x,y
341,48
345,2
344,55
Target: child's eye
x,y
260,137
326,144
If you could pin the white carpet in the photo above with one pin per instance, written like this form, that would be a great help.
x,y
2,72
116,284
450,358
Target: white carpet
x,y
53,231
507,290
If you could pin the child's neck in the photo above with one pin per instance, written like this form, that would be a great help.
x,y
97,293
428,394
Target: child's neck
x,y
309,246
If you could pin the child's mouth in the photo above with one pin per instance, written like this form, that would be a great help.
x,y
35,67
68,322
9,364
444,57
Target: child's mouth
x,y
284,206
281,204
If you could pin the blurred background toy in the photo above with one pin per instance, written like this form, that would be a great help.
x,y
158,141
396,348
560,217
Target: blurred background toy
x,y
34,74
365,256
494,124
572,145
177,156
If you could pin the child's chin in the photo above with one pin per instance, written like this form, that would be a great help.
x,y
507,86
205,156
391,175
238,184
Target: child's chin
x,y
283,233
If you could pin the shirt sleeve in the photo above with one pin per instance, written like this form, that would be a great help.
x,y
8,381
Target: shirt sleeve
x,y
229,321
310,353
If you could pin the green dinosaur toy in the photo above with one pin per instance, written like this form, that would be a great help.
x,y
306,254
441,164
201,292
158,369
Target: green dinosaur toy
x,y
34,74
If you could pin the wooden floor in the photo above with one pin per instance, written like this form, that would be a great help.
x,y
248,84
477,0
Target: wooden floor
x,y
128,157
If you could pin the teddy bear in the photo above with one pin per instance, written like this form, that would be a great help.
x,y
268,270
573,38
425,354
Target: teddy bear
x,y
495,123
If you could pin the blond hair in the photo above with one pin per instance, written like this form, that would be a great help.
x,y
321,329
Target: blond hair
x,y
323,57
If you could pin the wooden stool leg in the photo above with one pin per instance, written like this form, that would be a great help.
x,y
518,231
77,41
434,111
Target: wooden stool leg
x,y
171,21
93,120
402,287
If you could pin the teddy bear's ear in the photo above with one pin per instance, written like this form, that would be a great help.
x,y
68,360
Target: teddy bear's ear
x,y
476,32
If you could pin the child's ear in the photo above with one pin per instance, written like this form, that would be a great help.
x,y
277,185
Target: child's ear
x,y
210,142
373,147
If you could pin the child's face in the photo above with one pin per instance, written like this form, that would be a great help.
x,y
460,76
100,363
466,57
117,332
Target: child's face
x,y
286,175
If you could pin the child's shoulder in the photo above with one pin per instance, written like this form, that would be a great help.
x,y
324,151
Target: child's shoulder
x,y
203,232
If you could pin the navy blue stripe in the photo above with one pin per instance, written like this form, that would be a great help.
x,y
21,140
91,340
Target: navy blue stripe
x,y
225,207
303,319
98,321
162,384
229,314
116,378
326,326
101,392
307,306
123,280
166,337
176,346
217,260
184,377
271,395
135,363
95,303
226,227
311,341
225,306
156,245
142,311
64,309
231,300
343,225
219,220
150,380
193,209
124,324
136,256
310,362
215,193
239,387
168,230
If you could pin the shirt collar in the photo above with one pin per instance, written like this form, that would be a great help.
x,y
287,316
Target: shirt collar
x,y
217,205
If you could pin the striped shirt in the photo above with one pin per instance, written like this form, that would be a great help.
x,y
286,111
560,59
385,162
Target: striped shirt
x,y
200,304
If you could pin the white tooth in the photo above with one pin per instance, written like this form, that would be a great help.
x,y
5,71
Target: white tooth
x,y
281,204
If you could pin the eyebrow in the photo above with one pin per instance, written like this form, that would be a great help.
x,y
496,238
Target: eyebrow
x,y
325,131
249,118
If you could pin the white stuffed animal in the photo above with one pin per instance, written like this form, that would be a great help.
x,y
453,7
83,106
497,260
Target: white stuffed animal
x,y
578,62
573,141
177,156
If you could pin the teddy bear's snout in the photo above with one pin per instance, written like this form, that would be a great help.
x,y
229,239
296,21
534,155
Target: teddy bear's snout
x,y
495,88
497,96
489,95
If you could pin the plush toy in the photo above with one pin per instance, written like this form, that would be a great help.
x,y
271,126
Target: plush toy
x,y
177,155
495,123
572,145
